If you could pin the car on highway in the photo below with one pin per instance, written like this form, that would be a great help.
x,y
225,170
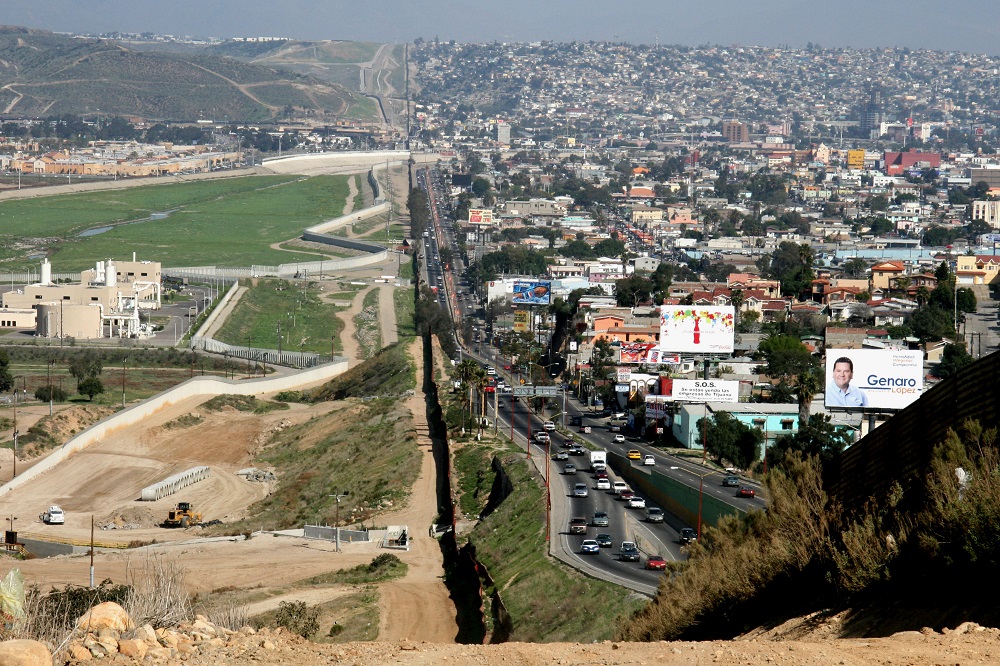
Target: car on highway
x,y
576,450
585,429
560,455
507,367
619,487
601,474
746,491
600,519
619,438
618,415
491,371
577,525
604,540
570,468
542,437
731,481
589,547
603,484
626,494
688,535
633,454
628,552
580,490
656,563
615,427
654,515
548,426
636,502
648,460
502,404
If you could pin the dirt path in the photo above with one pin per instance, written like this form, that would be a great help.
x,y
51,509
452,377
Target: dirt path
x,y
352,192
387,315
418,606
351,348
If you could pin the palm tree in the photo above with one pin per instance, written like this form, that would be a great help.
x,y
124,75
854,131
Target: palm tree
x,y
808,384
466,370
736,298
923,295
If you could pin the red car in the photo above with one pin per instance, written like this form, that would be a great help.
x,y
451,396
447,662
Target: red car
x,y
626,495
656,563
507,367
746,491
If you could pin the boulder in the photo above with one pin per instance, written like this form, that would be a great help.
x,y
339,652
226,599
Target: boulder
x,y
76,652
24,653
133,648
107,615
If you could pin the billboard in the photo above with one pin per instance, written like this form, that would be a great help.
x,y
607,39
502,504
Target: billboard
x,y
532,292
520,320
658,406
856,159
480,216
873,378
635,353
696,329
706,390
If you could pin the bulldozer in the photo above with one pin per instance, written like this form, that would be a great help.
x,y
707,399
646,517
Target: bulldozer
x,y
182,515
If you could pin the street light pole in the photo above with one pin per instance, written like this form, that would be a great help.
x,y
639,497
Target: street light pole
x,y
336,528
48,379
124,362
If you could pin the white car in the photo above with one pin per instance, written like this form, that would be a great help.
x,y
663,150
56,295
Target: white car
x,y
542,437
619,438
637,503
619,486
648,460
549,426
603,484
54,516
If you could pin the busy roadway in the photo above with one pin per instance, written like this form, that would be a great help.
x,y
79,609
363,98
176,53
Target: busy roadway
x,y
608,560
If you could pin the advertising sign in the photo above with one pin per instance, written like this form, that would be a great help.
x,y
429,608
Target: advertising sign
x,y
699,390
532,292
874,378
480,216
695,329
657,406
624,375
639,352
520,320
621,388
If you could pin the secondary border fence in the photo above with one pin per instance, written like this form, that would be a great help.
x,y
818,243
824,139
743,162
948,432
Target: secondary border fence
x,y
295,359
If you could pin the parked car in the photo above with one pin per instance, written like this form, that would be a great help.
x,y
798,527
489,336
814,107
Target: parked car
x,y
603,484
54,516
589,547
648,460
633,454
628,552
656,563
636,503
619,438
580,490
731,481
600,519
577,525
570,468
619,486
604,540
746,491
654,515
688,535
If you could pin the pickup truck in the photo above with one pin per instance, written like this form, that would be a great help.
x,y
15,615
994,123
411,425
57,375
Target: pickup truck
x,y
628,552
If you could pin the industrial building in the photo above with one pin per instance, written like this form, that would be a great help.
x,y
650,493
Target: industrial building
x,y
105,303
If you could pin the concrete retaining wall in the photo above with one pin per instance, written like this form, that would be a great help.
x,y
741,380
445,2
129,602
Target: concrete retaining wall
x,y
198,386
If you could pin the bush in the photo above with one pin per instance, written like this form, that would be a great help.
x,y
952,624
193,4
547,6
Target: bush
x,y
46,393
296,616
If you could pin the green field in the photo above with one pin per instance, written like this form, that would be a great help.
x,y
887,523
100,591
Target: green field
x,y
313,328
227,222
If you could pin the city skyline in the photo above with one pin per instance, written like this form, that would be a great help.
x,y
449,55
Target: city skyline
x,y
851,23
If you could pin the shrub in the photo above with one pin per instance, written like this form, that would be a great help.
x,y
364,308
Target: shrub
x,y
296,616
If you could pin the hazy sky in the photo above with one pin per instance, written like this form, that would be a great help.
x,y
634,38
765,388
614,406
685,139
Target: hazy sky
x,y
972,25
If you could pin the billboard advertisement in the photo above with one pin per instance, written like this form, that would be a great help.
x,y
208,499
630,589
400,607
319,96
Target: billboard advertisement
x,y
873,378
856,159
706,390
480,216
696,329
635,353
520,320
532,292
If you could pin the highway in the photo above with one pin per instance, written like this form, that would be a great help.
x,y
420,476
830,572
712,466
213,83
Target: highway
x,y
625,524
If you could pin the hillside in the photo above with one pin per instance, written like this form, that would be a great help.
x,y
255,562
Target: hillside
x,y
42,73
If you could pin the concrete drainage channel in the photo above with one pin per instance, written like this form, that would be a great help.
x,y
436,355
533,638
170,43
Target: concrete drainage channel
x,y
461,576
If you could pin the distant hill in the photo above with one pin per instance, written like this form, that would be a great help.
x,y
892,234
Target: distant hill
x,y
42,73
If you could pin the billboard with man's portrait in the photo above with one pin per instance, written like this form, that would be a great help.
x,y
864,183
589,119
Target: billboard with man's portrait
x,y
873,378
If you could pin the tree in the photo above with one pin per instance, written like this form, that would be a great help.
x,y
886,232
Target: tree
x,y
931,323
817,437
954,358
807,385
609,247
729,440
786,356
633,290
855,267
47,393
577,249
91,386
6,379
966,300
791,264
85,366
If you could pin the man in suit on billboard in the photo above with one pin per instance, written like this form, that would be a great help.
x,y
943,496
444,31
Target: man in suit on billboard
x,y
840,393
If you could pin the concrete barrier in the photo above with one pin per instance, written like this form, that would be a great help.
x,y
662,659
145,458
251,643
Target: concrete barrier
x,y
197,386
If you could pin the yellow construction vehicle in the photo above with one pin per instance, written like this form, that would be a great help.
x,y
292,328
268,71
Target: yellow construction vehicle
x,y
182,515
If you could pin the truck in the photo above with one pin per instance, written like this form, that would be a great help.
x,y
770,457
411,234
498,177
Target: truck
x,y
598,461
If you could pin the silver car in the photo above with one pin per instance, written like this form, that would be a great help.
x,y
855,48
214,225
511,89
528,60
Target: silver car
x,y
580,490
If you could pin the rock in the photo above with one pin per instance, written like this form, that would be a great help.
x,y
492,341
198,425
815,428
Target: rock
x,y
76,652
186,648
157,653
966,627
167,638
204,626
24,653
147,634
267,645
133,648
107,615
247,631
